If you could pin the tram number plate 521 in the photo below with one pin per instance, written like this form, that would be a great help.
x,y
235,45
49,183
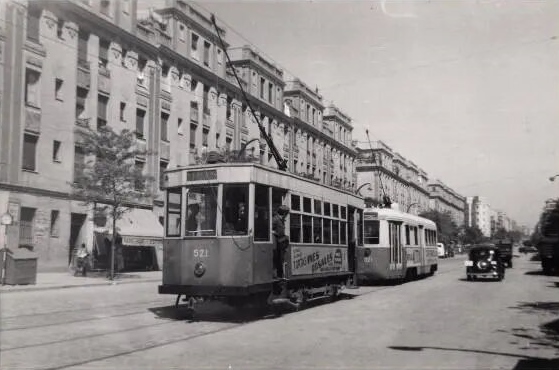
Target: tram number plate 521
x,y
201,253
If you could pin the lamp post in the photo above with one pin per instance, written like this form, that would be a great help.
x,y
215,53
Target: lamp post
x,y
245,146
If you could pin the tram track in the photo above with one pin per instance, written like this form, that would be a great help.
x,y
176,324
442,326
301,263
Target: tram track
x,y
5,325
137,345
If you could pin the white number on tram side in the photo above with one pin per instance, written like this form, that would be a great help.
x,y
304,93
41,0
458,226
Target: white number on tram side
x,y
201,253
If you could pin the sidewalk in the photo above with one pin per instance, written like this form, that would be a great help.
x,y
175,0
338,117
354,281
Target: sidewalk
x,y
61,280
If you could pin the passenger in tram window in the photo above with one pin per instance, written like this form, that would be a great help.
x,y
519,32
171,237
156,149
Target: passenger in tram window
x,y
281,240
242,221
192,220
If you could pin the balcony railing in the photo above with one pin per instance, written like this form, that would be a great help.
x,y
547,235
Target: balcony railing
x,y
206,120
164,150
194,114
82,122
33,119
103,81
84,75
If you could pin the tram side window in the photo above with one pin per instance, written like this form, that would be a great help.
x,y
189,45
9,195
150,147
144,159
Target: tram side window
x,y
327,229
416,240
317,230
201,205
372,232
317,207
407,235
360,227
174,205
235,210
343,239
335,232
295,202
307,205
295,227
261,214
307,229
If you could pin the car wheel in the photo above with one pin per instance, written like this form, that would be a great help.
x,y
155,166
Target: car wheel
x,y
469,278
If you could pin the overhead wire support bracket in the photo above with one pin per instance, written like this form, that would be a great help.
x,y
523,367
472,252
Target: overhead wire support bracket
x,y
281,162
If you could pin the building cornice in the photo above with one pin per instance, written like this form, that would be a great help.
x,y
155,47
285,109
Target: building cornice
x,y
94,23
253,65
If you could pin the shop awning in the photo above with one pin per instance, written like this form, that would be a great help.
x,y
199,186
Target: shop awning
x,y
138,227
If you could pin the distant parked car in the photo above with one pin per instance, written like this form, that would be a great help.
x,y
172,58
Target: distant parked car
x,y
441,250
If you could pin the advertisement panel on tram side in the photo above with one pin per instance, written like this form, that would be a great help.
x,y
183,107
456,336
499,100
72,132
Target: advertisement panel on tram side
x,y
307,260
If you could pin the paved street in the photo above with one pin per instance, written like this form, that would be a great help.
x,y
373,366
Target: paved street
x,y
443,322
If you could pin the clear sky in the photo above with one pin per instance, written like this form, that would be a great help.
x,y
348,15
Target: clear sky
x,y
468,90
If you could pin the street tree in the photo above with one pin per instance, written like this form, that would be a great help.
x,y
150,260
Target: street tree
x,y
446,228
472,235
109,177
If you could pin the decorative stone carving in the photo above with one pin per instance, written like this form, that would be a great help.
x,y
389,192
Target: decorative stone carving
x,y
185,80
174,72
116,51
131,59
50,19
222,99
72,29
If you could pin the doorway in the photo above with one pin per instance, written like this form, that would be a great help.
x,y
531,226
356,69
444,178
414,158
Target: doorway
x,y
77,220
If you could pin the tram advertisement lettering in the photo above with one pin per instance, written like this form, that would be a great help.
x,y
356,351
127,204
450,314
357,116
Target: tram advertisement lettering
x,y
312,260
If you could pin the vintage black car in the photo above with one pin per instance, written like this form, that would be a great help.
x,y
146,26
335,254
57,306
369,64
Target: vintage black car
x,y
506,251
484,261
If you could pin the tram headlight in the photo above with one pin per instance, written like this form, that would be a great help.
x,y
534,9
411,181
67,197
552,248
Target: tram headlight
x,y
199,269
367,252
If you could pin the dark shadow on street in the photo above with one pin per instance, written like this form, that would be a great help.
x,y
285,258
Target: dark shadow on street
x,y
533,307
534,272
214,311
482,280
524,362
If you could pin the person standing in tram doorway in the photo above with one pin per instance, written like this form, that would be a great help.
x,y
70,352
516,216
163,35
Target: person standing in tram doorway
x,y
281,240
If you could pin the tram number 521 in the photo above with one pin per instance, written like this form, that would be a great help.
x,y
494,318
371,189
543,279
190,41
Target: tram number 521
x,y
201,253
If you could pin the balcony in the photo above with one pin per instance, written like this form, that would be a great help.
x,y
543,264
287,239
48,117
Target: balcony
x,y
164,150
141,147
244,129
84,74
82,122
194,113
33,119
206,121
104,80
229,123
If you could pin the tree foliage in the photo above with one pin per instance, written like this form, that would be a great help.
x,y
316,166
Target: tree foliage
x,y
446,228
472,235
109,176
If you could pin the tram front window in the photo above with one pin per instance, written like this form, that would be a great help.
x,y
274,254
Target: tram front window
x,y
235,210
371,232
201,211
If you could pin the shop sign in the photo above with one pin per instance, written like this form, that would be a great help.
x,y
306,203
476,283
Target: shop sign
x,y
315,260
139,241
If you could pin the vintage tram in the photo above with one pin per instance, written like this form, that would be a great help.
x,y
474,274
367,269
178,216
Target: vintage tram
x,y
397,246
218,242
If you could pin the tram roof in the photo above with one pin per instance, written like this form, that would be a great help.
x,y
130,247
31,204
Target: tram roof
x,y
206,174
394,214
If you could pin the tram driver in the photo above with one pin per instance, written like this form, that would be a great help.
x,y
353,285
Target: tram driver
x,y
281,240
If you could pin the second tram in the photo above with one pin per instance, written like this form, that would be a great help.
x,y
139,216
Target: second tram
x,y
397,245
219,243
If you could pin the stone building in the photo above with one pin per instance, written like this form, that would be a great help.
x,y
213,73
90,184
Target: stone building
x,y
382,171
162,74
445,199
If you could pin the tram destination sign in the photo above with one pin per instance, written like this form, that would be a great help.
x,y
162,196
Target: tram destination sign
x,y
307,260
201,175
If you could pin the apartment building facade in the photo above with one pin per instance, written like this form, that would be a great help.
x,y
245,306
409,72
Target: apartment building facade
x,y
444,199
479,214
69,64
382,171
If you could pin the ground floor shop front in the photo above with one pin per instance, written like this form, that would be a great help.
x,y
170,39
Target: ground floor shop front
x,y
55,227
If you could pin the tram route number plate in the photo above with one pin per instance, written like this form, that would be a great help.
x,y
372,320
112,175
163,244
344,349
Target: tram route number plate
x,y
201,253
368,259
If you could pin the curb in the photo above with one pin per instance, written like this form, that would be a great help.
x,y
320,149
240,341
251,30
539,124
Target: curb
x,y
54,287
